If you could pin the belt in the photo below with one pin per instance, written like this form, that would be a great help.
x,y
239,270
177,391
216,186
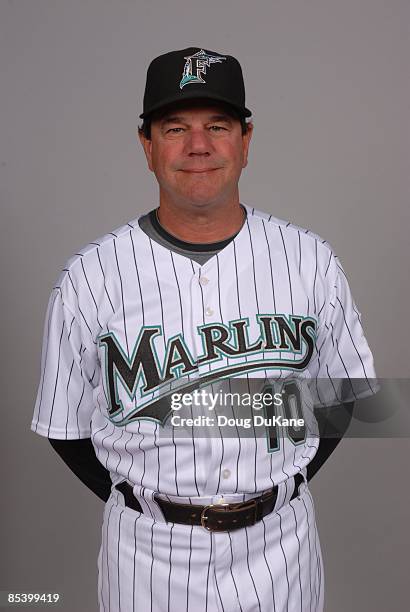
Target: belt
x,y
214,517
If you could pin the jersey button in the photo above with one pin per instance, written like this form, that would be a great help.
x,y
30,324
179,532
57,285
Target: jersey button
x,y
226,473
209,312
203,280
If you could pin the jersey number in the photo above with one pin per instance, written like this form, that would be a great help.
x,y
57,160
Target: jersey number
x,y
292,409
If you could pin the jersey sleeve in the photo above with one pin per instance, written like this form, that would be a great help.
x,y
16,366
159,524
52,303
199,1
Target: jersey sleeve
x,y
64,403
344,363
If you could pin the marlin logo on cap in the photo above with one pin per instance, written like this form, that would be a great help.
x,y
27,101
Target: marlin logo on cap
x,y
201,60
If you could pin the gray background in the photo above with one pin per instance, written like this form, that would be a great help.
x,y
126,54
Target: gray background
x,y
328,84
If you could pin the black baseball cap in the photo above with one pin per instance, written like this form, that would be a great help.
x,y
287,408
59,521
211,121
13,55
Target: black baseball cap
x,y
191,74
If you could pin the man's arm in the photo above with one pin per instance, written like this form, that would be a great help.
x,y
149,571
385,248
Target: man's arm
x,y
80,457
332,427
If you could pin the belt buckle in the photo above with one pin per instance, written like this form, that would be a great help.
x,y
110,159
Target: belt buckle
x,y
224,508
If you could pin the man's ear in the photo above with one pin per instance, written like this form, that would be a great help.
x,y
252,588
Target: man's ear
x,y
147,146
246,139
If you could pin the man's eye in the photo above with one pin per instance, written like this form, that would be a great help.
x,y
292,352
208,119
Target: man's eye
x,y
175,130
216,128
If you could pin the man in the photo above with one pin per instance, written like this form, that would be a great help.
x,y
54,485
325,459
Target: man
x,y
201,294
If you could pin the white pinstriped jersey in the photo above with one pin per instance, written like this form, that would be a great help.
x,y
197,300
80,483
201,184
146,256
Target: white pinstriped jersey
x,y
129,320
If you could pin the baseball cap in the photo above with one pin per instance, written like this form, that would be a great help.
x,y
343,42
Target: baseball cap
x,y
193,73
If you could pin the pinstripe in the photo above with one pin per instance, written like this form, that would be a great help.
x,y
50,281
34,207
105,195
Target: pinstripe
x,y
353,342
339,267
328,263
91,293
189,569
68,385
143,452
275,309
118,561
218,592
104,280
56,377
229,382
314,280
43,375
321,309
316,552
179,293
267,565
255,285
158,459
164,335
152,562
134,562
71,327
246,358
203,305
310,562
78,409
170,566
270,266
299,568
208,572
255,454
130,454
284,556
222,453
146,506
253,267
249,569
331,382
106,450
122,298
108,566
336,344
287,266
140,292
239,448
95,433
231,572
292,309
300,251
194,455
356,311
79,309
175,461
236,279
138,280
119,454
159,288
103,551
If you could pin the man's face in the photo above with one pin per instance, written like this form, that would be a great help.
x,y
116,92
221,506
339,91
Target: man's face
x,y
197,153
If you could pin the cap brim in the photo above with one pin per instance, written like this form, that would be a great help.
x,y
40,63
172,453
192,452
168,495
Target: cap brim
x,y
196,95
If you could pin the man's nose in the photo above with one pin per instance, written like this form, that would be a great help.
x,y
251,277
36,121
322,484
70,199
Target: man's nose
x,y
198,142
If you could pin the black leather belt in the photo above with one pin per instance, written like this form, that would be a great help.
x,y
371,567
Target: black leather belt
x,y
214,517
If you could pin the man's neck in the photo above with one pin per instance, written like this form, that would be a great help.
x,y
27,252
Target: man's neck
x,y
204,225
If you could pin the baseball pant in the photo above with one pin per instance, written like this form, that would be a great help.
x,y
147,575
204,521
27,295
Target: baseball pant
x,y
148,565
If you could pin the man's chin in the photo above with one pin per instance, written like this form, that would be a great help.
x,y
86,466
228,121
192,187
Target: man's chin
x,y
201,201
201,197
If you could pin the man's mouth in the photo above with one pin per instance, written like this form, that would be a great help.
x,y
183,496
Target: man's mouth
x,y
198,171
